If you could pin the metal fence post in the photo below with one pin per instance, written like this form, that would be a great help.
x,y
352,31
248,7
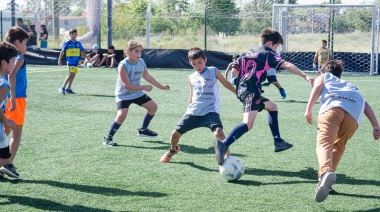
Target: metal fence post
x,y
109,23
205,29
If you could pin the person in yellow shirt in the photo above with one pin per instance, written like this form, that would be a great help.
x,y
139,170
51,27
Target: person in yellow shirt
x,y
323,55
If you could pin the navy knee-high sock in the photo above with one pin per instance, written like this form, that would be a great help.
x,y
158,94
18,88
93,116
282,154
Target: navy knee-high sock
x,y
236,133
113,129
146,121
273,125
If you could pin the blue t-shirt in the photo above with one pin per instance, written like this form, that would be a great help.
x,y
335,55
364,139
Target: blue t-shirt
x,y
72,50
21,79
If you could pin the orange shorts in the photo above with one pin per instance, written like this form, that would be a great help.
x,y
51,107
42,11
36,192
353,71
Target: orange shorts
x,y
18,114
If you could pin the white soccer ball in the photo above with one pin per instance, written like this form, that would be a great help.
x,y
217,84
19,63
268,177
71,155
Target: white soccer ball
x,y
232,168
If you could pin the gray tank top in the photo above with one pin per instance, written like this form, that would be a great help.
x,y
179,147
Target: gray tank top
x,y
205,97
135,73
340,93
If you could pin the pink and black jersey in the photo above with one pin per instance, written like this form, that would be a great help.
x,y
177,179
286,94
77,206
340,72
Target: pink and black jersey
x,y
252,67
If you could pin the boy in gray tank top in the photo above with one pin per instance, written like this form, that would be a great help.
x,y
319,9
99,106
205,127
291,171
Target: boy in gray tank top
x,y
341,109
203,110
129,91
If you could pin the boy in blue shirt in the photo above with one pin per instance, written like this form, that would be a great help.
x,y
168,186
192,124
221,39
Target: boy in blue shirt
x,y
7,57
74,50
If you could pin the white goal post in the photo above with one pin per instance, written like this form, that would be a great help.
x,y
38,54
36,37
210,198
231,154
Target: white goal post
x,y
349,29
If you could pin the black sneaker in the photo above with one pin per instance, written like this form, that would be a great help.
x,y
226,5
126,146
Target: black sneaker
x,y
69,91
146,133
9,170
282,145
220,151
325,184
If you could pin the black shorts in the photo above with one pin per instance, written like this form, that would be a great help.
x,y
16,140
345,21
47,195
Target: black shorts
x,y
251,103
272,79
139,101
190,122
5,153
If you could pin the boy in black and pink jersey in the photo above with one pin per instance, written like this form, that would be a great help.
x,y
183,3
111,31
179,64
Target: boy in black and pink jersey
x,y
250,70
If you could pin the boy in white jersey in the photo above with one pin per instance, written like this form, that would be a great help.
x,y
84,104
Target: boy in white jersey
x,y
204,107
7,57
129,90
341,109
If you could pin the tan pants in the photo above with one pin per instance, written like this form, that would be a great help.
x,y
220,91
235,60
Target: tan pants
x,y
335,127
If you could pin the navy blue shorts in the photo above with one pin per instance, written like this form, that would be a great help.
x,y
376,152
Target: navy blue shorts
x,y
251,103
190,122
272,78
5,152
139,101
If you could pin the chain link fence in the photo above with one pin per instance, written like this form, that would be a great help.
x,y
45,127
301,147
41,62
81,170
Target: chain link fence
x,y
231,26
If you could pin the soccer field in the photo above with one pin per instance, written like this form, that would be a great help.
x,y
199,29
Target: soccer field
x,y
64,166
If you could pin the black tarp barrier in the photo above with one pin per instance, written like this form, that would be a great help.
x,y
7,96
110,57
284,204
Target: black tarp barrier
x,y
177,58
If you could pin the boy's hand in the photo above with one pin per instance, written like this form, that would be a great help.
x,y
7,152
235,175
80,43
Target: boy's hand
x,y
59,62
165,87
311,80
10,124
13,104
376,133
314,66
309,116
147,88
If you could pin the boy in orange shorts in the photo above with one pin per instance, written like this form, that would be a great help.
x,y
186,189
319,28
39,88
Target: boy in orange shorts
x,y
16,104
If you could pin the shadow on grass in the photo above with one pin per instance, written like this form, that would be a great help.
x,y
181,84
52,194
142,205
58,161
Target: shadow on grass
x,y
292,101
184,148
99,95
43,204
92,189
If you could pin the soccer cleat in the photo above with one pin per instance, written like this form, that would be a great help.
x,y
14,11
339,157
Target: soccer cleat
x,y
69,91
169,154
109,142
220,151
282,93
323,188
9,170
62,91
146,133
282,145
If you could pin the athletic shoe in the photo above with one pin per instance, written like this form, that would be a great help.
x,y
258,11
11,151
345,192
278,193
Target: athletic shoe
x,y
265,84
109,142
146,133
82,66
62,91
323,188
282,145
9,170
282,93
220,151
169,154
69,91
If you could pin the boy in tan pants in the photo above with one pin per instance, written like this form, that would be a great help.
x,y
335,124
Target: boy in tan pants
x,y
341,109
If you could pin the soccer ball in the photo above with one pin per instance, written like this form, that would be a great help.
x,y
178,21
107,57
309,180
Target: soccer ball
x,y
232,168
89,65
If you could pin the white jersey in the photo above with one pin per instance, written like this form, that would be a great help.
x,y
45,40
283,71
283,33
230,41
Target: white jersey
x,y
4,142
340,93
135,73
205,97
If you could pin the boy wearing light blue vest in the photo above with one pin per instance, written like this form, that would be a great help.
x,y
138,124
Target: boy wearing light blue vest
x,y
341,110
204,107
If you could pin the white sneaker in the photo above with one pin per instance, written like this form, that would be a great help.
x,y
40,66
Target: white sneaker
x,y
323,188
